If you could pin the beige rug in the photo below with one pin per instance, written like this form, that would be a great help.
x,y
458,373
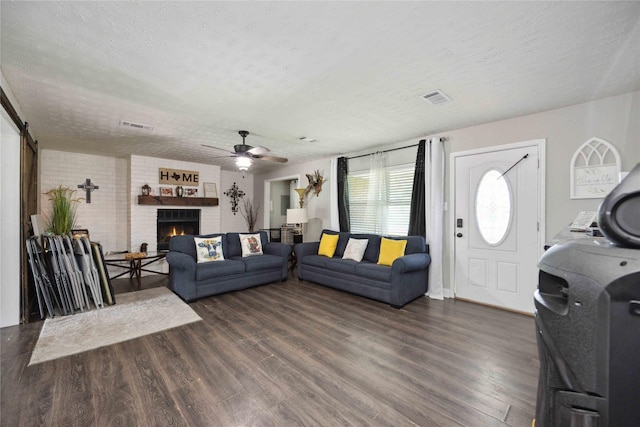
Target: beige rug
x,y
134,315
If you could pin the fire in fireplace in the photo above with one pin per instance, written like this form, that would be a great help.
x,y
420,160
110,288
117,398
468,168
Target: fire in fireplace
x,y
175,222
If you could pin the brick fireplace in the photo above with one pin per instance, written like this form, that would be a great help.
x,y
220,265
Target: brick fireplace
x,y
143,218
176,222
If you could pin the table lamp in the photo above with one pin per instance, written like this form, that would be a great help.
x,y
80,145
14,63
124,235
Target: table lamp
x,y
297,217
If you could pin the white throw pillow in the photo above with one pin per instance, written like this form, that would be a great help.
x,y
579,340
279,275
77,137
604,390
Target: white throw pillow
x,y
209,249
355,249
251,244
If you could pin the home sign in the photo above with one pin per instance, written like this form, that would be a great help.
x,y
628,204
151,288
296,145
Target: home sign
x,y
179,177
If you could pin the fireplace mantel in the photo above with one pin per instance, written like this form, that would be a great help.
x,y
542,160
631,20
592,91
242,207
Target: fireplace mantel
x,y
177,201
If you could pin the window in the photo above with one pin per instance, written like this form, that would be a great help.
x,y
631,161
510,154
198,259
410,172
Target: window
x,y
398,201
493,207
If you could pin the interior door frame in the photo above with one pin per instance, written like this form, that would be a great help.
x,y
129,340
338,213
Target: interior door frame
x,y
540,144
266,215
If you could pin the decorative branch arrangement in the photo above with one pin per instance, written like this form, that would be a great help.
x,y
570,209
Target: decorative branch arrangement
x,y
249,211
315,183
235,193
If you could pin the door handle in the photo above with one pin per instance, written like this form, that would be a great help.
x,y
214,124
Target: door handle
x,y
459,235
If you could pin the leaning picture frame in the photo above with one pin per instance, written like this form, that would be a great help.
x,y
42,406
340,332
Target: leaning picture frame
x,y
210,189
191,192
166,191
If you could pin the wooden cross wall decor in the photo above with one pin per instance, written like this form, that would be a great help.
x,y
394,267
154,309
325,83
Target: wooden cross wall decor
x,y
88,187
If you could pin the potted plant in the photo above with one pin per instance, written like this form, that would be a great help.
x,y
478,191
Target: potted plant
x,y
249,211
63,214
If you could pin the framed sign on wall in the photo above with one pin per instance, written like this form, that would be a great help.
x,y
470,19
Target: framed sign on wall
x,y
210,189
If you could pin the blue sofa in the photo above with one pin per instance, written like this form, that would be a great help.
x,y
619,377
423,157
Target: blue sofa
x,y
406,279
192,280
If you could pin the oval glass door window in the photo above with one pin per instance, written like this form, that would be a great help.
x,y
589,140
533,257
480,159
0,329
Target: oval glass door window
x,y
493,207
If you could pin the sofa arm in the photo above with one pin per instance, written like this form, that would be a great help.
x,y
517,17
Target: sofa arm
x,y
412,262
279,249
181,261
307,248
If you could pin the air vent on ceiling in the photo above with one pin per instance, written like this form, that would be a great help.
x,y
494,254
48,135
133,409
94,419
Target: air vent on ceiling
x,y
436,97
135,125
307,139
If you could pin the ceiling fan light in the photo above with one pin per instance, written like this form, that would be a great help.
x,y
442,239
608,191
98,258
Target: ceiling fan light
x,y
243,163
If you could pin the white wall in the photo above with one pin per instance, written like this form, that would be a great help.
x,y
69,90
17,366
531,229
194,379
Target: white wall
x,y
231,222
615,119
114,217
10,243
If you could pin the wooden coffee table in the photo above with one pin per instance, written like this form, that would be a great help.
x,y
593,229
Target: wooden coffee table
x,y
135,263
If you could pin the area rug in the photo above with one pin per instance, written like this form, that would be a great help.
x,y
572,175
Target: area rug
x,y
134,315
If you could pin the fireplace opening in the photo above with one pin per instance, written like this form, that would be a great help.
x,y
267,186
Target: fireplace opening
x,y
176,222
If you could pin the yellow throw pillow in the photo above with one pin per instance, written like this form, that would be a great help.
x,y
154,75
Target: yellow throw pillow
x,y
328,243
390,250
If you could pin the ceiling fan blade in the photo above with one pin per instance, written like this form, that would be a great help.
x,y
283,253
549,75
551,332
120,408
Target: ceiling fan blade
x,y
221,149
256,151
231,156
272,159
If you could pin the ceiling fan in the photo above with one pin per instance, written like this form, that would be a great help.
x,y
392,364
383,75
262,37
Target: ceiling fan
x,y
245,154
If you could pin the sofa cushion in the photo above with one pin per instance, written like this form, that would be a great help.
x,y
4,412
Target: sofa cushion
x,y
342,265
390,250
372,271
355,249
209,248
227,267
328,243
315,260
373,246
250,244
415,245
262,262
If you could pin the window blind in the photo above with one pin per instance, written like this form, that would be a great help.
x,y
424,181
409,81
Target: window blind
x,y
398,204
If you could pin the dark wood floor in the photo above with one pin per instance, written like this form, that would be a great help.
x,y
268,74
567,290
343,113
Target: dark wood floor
x,y
288,353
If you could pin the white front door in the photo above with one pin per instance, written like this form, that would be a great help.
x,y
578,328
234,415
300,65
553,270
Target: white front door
x,y
498,204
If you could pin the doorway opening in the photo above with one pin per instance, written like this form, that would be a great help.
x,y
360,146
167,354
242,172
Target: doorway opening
x,y
278,197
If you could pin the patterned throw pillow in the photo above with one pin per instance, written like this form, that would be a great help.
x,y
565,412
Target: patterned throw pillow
x,y
355,249
251,244
209,249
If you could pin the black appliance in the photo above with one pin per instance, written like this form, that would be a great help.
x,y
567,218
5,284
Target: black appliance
x,y
619,212
588,332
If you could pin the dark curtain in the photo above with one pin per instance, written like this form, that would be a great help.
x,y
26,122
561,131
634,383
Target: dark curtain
x,y
417,224
343,194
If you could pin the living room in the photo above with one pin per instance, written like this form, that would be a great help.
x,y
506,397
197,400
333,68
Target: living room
x,y
589,98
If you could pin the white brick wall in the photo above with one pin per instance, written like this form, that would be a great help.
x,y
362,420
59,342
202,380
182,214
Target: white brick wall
x,y
106,215
114,217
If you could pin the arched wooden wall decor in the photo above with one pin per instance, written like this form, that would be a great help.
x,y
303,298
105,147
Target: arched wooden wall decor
x,y
594,169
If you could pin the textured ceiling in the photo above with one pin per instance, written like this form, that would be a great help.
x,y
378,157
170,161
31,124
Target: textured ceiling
x,y
349,74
